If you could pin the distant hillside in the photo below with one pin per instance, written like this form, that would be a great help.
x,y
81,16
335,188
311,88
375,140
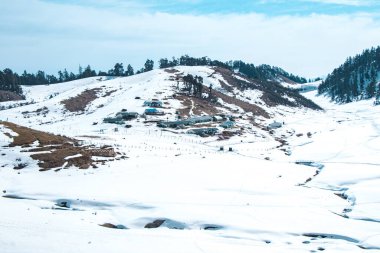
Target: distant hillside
x,y
261,72
184,91
266,72
12,82
273,94
358,78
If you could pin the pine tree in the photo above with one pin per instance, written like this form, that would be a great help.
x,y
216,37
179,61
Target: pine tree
x,y
377,98
163,63
148,66
129,71
355,79
118,70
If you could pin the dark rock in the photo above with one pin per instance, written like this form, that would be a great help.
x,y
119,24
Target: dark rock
x,y
110,225
155,224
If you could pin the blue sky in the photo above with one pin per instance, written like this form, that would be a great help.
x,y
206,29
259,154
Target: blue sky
x,y
305,37
268,7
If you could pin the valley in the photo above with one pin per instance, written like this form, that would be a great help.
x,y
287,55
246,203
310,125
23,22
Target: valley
x,y
308,185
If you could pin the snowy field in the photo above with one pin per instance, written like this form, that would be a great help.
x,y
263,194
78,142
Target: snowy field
x,y
323,196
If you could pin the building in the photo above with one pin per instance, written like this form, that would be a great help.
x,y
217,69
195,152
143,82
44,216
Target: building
x,y
153,111
200,119
113,120
185,122
154,103
274,125
217,118
203,131
127,115
228,124
173,124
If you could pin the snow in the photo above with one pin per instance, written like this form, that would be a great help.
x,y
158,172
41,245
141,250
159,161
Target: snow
x,y
72,156
253,198
303,87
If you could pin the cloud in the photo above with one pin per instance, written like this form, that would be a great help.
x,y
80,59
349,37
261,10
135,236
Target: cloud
x,y
345,2
50,36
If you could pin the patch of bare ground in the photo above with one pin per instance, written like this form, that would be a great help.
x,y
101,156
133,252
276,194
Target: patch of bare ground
x,y
247,107
8,135
171,71
108,93
82,160
44,110
225,135
58,150
200,106
225,86
27,136
80,102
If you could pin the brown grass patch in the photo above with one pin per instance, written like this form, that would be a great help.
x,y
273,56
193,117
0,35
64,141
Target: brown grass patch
x,y
80,102
56,148
201,106
256,110
171,71
27,136
225,86
108,93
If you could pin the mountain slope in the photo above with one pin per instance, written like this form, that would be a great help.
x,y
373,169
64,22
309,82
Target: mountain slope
x,y
358,78
184,193
262,72
100,97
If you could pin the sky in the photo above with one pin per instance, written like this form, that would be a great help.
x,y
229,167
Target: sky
x,y
305,37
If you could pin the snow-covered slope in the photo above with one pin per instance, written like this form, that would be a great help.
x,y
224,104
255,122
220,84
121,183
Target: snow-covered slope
x,y
303,87
120,93
309,186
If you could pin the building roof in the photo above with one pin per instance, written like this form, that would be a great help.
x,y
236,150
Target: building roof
x,y
227,124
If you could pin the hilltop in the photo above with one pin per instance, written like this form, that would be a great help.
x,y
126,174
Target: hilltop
x,y
91,100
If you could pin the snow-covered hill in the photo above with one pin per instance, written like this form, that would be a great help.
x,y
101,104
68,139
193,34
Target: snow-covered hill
x,y
308,186
236,95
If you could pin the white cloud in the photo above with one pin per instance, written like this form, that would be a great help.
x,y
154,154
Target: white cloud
x,y
51,37
344,2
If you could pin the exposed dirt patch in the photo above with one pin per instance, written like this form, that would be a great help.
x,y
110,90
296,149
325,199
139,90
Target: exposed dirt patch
x,y
256,110
171,71
79,102
108,93
58,151
81,156
225,135
225,86
8,135
200,106
44,110
27,136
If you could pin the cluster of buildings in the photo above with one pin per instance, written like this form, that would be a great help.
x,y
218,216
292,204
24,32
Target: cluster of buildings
x,y
223,121
154,105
